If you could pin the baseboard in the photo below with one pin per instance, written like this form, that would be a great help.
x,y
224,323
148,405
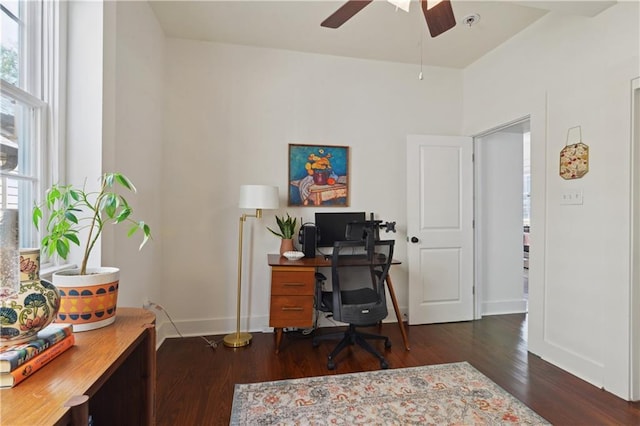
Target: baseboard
x,y
221,326
206,327
581,366
502,307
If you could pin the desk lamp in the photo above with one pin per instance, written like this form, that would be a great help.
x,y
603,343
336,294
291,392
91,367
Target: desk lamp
x,y
251,197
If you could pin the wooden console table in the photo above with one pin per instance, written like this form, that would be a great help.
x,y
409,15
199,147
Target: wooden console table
x,y
110,375
293,293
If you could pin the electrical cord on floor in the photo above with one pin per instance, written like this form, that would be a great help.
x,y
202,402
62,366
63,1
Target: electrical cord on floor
x,y
212,344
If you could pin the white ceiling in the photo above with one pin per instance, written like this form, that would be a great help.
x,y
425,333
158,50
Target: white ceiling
x,y
378,32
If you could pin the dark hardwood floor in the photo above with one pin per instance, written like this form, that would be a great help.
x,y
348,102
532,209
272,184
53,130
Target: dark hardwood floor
x,y
195,382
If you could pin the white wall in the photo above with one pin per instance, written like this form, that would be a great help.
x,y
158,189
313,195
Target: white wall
x,y
114,123
136,149
499,247
568,71
84,102
231,112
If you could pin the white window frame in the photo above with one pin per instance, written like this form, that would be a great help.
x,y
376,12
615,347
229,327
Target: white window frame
x,y
43,77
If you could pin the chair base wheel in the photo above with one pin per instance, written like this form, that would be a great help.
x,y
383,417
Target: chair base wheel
x,y
331,365
384,365
387,344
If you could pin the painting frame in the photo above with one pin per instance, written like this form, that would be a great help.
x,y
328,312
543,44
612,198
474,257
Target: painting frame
x,y
318,175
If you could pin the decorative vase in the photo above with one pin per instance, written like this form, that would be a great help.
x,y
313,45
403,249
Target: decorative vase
x,y
34,307
87,301
9,252
286,244
320,177
29,264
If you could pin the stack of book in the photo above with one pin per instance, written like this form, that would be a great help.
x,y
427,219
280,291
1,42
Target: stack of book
x,y
20,361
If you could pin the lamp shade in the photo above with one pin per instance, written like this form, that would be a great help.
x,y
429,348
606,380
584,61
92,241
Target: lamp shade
x,y
258,197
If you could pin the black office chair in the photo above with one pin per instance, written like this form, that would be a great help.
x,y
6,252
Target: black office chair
x,y
359,270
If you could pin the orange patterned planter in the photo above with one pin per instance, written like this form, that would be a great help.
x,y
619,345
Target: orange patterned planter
x,y
87,301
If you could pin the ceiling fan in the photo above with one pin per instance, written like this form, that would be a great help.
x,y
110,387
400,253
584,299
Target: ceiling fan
x,y
438,14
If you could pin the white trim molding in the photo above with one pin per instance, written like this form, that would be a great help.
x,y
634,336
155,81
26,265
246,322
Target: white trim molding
x,y
634,242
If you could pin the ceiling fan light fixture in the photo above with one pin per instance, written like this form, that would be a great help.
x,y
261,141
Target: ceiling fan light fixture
x,y
438,14
401,4
432,3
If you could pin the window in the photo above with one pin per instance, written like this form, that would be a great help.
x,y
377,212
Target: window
x,y
29,52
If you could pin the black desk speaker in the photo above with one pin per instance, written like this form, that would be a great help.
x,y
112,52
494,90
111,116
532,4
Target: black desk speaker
x,y
307,239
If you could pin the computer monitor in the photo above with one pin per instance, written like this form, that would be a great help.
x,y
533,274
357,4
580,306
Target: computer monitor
x,y
332,227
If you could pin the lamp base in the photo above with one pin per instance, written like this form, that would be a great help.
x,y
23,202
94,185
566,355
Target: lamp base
x,y
237,340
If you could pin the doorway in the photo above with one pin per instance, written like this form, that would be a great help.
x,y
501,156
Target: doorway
x,y
440,228
526,210
502,209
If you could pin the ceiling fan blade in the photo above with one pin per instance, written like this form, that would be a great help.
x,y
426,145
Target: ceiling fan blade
x,y
344,13
439,17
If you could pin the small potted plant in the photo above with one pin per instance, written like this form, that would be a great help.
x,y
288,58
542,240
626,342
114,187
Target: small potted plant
x,y
287,228
71,210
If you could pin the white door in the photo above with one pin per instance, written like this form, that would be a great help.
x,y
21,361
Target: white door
x,y
440,228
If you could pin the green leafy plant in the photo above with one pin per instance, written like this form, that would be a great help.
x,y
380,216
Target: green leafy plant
x,y
74,209
287,227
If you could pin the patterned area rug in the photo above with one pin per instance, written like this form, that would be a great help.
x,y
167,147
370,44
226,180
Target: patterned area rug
x,y
437,394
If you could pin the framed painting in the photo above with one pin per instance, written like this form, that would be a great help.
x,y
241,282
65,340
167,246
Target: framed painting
x,y
318,175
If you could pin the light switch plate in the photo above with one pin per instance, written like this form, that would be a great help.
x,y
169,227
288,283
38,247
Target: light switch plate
x,y
571,197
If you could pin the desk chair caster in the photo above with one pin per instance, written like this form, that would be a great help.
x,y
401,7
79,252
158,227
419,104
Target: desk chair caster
x,y
331,364
351,337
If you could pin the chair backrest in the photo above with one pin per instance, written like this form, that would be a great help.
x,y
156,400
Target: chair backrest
x,y
358,274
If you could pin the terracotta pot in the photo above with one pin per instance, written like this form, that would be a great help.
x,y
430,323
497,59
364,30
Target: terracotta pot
x,y
286,245
87,301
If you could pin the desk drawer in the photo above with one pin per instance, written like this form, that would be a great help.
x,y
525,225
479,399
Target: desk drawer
x,y
292,283
291,311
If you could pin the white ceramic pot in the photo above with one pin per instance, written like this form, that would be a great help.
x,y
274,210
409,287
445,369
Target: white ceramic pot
x,y
87,301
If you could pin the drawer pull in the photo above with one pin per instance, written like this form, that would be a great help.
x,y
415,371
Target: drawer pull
x,y
292,308
293,284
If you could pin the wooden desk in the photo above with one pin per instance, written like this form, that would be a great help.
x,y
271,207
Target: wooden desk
x,y
109,374
293,292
